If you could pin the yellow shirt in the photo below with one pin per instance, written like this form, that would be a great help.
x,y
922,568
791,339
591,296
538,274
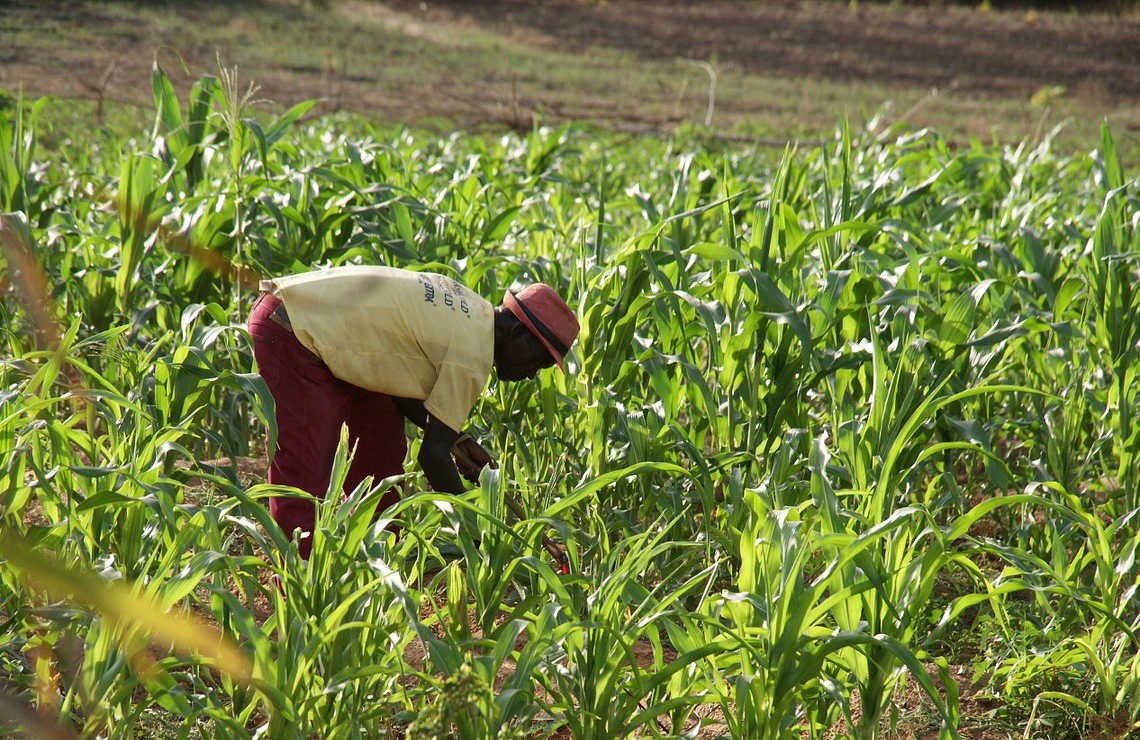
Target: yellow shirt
x,y
407,334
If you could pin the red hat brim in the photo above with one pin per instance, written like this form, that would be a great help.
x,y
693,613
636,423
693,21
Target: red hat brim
x,y
512,305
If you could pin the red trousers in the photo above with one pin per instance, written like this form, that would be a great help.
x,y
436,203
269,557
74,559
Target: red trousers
x,y
312,404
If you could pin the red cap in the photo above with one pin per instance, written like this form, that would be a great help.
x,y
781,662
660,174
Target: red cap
x,y
547,316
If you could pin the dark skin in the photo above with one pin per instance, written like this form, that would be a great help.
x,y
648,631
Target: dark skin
x,y
519,355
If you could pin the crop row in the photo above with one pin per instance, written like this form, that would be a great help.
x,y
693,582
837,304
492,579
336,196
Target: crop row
x,y
836,420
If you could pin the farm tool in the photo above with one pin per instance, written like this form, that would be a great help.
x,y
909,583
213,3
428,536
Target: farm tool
x,y
559,556
557,553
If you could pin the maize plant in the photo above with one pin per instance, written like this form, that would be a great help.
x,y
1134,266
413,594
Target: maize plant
x,y
840,420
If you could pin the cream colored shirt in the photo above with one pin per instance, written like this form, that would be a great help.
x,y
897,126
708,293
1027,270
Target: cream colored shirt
x,y
407,334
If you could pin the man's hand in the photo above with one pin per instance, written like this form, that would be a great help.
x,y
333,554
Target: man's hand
x,y
471,458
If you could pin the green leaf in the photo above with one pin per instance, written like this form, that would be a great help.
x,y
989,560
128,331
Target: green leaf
x,y
167,113
958,321
711,251
1065,296
285,121
497,228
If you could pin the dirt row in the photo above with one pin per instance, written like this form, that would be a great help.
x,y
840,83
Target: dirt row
x,y
1093,56
1007,53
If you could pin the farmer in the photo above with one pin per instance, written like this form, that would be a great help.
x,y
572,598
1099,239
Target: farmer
x,y
373,346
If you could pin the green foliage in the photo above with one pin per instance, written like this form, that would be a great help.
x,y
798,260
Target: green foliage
x,y
810,391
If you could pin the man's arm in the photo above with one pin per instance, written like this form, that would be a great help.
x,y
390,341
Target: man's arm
x,y
413,410
436,449
435,457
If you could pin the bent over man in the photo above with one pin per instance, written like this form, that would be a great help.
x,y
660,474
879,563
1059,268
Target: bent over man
x,y
372,346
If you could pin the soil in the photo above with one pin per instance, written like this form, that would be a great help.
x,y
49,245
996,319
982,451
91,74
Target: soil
x,y
988,53
1010,54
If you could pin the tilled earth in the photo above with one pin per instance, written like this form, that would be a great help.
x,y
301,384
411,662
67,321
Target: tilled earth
x,y
94,49
985,52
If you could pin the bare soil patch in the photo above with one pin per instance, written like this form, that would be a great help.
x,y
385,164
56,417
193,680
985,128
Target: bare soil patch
x,y
787,65
1007,53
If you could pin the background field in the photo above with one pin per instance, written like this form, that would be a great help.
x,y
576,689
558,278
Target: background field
x,y
783,70
848,445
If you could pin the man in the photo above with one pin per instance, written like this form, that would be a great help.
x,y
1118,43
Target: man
x,y
372,346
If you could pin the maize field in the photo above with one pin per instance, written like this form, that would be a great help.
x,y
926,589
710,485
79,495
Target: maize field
x,y
845,424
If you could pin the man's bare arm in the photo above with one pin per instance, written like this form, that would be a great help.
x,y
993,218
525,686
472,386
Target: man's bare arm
x,y
435,450
469,456
435,457
412,409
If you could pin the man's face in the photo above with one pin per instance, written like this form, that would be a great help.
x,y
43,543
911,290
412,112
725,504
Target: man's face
x,y
522,357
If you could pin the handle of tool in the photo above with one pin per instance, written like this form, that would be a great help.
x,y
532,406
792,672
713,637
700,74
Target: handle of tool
x,y
547,544
550,547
